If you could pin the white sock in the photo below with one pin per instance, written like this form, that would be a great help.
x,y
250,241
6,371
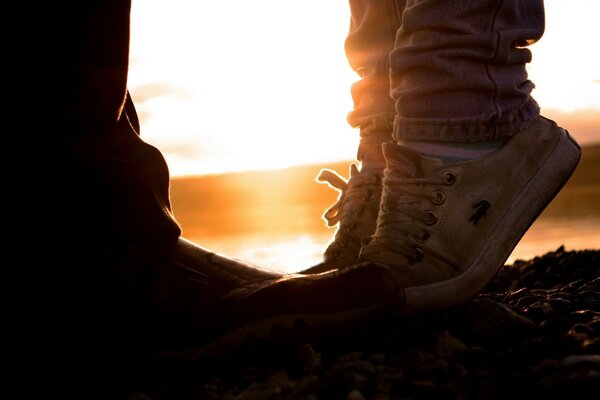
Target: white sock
x,y
454,152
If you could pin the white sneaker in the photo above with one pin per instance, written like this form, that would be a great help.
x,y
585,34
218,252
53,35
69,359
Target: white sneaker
x,y
445,230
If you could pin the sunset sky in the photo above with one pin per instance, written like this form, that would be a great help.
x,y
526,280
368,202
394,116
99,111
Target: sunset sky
x,y
235,85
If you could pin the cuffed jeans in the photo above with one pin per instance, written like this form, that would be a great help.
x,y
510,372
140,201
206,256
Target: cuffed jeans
x,y
118,184
430,70
433,70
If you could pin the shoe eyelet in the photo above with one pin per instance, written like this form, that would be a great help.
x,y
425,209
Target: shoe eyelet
x,y
440,197
418,255
423,237
368,197
430,217
349,228
450,178
344,242
335,254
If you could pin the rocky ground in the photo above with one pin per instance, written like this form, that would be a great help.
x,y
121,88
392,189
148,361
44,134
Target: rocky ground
x,y
534,333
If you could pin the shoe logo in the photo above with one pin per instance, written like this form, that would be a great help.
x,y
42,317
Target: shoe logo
x,y
482,207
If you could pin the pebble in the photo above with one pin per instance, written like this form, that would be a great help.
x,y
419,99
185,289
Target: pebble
x,y
533,333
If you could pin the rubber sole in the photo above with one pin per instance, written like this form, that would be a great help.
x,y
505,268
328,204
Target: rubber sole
x,y
530,202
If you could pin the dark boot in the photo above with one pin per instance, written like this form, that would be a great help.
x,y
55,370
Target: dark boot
x,y
184,303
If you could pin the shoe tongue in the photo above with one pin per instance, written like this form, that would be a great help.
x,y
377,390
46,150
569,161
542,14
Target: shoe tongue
x,y
409,163
429,165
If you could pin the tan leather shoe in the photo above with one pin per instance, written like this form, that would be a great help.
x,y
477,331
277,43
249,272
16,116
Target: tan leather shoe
x,y
445,230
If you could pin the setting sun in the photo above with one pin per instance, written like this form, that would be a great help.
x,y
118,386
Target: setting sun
x,y
260,85
237,85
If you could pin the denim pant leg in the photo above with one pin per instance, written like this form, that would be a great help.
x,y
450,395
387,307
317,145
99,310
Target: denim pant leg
x,y
118,185
458,69
371,37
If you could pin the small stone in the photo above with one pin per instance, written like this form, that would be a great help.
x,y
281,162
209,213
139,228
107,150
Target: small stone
x,y
582,360
544,366
279,380
592,345
441,365
583,315
593,285
518,294
540,311
539,292
556,325
378,358
581,328
589,294
355,395
309,357
525,301
595,324
494,323
562,294
560,303
447,345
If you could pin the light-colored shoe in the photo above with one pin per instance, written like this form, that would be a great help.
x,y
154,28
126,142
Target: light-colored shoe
x,y
354,213
445,230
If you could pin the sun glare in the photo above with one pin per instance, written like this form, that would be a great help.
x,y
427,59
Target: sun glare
x,y
565,66
253,85
240,85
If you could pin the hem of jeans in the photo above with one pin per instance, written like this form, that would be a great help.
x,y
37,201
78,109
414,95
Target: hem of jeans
x,y
369,148
373,123
472,130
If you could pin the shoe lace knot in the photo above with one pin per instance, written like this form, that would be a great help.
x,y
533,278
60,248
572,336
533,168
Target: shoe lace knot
x,y
360,191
